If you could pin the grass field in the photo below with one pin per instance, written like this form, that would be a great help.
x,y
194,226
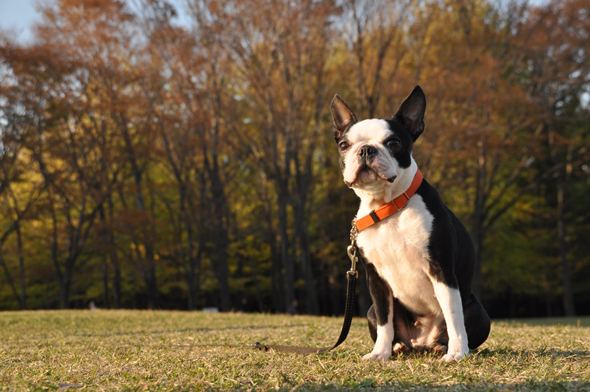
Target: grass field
x,y
144,350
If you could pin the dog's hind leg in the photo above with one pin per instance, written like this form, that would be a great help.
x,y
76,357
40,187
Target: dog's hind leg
x,y
477,322
405,326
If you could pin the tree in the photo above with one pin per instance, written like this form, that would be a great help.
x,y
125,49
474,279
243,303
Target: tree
x,y
556,73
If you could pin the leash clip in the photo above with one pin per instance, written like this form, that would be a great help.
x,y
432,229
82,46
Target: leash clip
x,y
352,249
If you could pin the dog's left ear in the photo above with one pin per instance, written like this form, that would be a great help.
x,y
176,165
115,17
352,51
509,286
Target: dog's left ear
x,y
411,112
342,115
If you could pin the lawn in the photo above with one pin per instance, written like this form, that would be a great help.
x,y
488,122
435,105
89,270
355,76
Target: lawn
x,y
145,350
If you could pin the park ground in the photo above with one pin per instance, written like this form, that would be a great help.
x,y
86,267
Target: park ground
x,y
171,350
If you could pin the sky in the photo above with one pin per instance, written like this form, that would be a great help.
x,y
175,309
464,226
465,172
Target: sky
x,y
18,16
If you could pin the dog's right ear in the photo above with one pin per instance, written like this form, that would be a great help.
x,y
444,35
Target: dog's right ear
x,y
411,112
342,115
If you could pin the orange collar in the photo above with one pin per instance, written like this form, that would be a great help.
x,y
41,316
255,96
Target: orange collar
x,y
390,208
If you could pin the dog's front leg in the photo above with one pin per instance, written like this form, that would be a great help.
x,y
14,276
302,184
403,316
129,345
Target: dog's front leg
x,y
452,308
383,306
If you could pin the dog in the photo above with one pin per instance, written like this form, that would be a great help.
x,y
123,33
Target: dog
x,y
419,258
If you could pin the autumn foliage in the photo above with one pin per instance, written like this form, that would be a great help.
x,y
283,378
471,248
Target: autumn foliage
x,y
181,156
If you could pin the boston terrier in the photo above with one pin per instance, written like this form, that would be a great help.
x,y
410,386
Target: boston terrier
x,y
418,256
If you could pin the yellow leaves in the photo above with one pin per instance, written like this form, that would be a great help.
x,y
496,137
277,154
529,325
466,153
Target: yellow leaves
x,y
247,90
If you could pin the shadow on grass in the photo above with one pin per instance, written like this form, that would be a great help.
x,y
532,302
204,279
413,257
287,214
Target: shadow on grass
x,y
582,321
508,352
243,328
370,383
504,353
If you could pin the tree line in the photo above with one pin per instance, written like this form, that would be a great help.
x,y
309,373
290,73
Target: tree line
x,y
159,155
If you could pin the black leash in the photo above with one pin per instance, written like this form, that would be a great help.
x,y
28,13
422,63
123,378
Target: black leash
x,y
352,276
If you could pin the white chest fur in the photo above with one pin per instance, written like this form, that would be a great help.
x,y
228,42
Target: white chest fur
x,y
398,248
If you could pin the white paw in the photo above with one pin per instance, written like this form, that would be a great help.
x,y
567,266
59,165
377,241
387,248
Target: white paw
x,y
377,356
456,353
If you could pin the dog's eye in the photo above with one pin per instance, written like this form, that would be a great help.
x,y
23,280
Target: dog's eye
x,y
343,146
394,143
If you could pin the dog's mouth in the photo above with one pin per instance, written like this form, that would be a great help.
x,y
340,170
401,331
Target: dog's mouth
x,y
367,174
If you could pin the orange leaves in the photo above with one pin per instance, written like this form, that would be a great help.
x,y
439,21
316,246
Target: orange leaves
x,y
218,121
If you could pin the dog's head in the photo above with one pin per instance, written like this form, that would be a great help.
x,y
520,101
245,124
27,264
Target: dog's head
x,y
375,153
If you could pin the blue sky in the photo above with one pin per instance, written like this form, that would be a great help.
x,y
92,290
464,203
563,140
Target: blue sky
x,y
18,16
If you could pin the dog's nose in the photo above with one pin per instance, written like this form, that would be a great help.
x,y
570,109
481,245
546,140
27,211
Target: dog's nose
x,y
367,151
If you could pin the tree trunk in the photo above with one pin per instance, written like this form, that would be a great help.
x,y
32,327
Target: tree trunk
x,y
152,283
61,276
105,282
116,280
222,241
277,277
185,257
9,279
114,259
65,285
285,257
21,264
476,285
221,235
311,299
136,171
303,180
477,234
223,276
566,280
105,256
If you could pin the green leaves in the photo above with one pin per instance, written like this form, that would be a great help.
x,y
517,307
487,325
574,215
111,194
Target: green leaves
x,y
156,164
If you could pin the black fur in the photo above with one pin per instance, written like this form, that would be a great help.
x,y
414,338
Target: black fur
x,y
380,294
403,155
411,112
477,321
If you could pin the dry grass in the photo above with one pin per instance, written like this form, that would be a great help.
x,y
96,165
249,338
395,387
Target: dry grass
x,y
142,350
